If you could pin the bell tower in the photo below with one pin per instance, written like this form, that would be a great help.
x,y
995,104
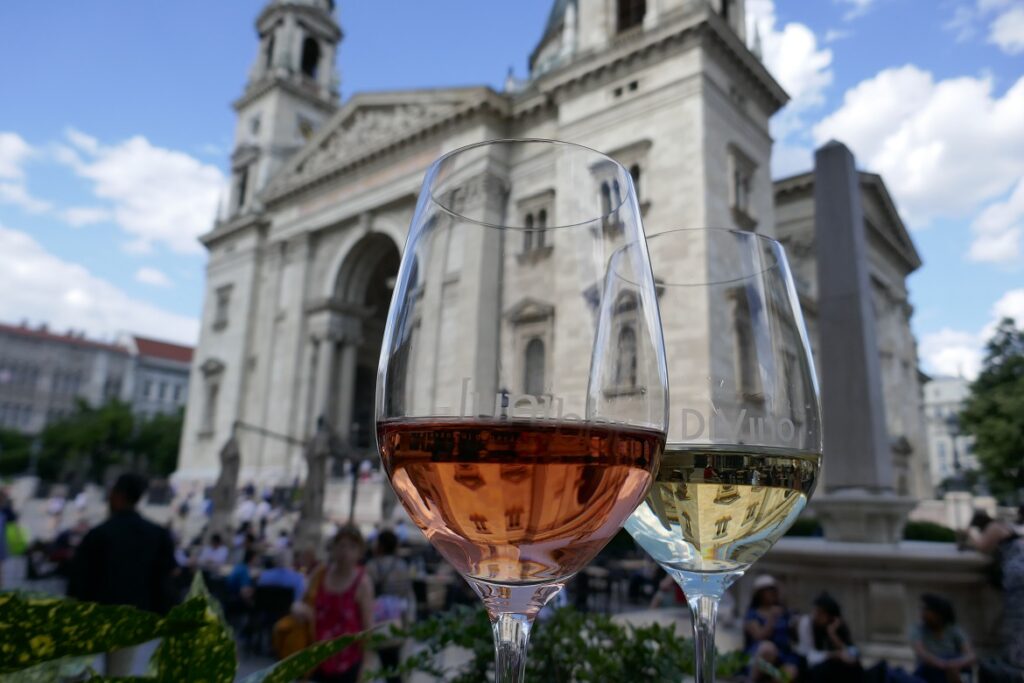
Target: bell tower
x,y
293,87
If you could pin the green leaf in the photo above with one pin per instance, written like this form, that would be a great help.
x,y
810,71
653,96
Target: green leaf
x,y
47,672
36,629
206,655
301,663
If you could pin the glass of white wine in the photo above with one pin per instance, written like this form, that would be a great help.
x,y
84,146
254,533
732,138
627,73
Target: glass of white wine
x,y
744,441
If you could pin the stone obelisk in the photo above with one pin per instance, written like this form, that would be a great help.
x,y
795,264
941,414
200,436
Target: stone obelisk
x,y
858,503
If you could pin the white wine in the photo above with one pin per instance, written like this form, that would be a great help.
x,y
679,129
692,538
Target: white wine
x,y
717,509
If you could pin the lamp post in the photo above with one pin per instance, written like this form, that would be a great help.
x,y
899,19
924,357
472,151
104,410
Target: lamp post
x,y
959,481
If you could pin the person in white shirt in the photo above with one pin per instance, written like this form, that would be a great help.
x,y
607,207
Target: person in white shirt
x,y
824,641
214,555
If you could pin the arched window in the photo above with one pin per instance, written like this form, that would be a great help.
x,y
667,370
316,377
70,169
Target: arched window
x,y
625,363
310,57
631,13
606,198
634,173
528,234
270,52
533,368
542,224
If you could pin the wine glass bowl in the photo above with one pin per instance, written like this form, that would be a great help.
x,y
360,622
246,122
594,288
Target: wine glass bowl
x,y
494,422
744,446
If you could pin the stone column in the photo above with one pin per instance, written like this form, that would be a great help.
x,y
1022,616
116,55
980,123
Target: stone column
x,y
858,503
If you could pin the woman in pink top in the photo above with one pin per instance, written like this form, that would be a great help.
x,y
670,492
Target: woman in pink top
x,y
341,596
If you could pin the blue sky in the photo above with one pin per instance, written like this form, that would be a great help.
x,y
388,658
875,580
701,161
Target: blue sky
x,y
115,129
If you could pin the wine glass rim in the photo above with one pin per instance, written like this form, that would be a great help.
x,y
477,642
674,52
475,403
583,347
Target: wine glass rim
x,y
622,170
771,242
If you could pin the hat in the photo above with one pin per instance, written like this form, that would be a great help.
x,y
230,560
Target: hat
x,y
765,581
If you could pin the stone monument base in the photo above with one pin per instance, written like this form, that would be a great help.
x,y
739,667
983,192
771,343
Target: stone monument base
x,y
857,515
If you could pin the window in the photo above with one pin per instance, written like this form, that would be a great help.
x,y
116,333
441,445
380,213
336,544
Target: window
x,y
305,127
241,187
625,364
528,234
210,409
147,389
269,54
161,393
606,198
748,374
631,13
634,173
220,315
310,57
726,9
533,368
542,224
741,188
177,393
254,125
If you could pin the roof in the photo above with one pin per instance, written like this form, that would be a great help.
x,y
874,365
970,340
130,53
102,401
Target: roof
x,y
71,338
154,348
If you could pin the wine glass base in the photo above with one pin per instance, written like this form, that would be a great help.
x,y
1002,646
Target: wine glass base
x,y
526,600
712,584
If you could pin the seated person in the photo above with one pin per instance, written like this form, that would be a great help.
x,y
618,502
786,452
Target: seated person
x,y
826,644
941,648
282,574
214,555
767,619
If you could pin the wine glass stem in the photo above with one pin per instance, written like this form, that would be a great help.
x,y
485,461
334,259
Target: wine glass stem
x,y
704,609
511,637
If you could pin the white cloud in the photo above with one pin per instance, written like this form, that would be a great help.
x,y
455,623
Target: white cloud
x,y
40,286
943,147
792,55
152,276
834,34
998,229
159,196
1007,31
962,23
857,8
15,193
13,152
956,352
77,216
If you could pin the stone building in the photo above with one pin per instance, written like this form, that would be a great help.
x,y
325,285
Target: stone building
x,y
44,373
943,400
161,372
303,258
891,259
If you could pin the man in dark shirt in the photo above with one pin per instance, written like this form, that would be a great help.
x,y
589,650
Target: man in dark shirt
x,y
126,560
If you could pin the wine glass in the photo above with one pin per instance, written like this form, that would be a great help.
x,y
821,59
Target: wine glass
x,y
744,443
493,422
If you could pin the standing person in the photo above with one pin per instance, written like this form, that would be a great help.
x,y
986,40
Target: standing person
x,y
340,601
126,560
767,619
825,641
281,574
1006,547
941,648
7,516
392,584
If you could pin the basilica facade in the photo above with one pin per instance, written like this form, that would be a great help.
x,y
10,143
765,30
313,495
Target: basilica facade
x,y
303,258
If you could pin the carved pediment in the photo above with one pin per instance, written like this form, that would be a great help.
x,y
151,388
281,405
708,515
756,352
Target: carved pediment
x,y
372,122
529,310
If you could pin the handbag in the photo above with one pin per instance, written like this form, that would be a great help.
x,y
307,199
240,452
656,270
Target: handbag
x,y
291,634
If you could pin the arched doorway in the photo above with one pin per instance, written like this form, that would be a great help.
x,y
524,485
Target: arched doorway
x,y
362,295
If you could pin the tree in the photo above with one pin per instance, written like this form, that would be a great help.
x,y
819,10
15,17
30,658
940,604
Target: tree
x,y
157,440
15,451
994,412
83,445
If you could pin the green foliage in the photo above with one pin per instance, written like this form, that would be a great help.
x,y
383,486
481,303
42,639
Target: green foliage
x,y
805,526
45,639
81,446
36,629
928,531
994,413
570,646
14,452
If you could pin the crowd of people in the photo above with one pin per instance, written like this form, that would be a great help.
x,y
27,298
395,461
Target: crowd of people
x,y
282,598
